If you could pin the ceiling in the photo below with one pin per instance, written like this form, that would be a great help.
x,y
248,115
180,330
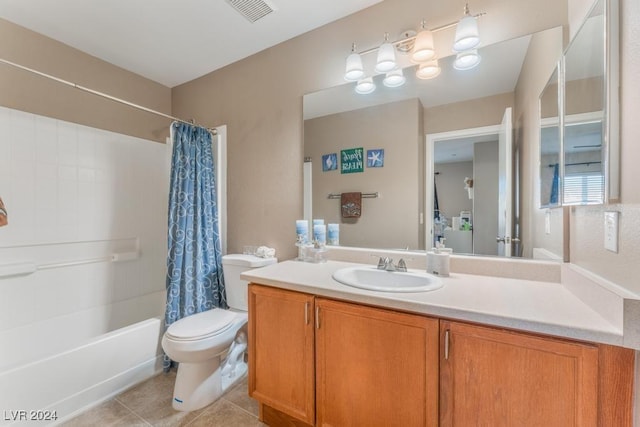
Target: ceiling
x,y
169,41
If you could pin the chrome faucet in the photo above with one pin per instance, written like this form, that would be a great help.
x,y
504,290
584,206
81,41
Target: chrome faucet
x,y
386,263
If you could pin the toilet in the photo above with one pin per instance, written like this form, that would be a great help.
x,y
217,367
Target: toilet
x,y
209,346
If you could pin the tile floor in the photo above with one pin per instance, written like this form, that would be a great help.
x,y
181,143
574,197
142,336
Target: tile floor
x,y
149,403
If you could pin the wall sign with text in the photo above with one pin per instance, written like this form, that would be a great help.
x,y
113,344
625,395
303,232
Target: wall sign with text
x,y
352,160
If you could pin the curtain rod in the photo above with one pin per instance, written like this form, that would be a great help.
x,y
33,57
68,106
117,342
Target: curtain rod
x,y
102,94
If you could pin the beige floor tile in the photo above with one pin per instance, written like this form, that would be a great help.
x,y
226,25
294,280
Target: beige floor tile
x,y
110,413
239,395
223,413
151,401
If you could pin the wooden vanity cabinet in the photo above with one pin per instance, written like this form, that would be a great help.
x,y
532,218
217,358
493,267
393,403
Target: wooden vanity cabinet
x,y
375,367
372,366
316,361
494,377
281,351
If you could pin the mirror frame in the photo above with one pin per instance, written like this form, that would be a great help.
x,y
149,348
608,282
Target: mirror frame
x,y
611,108
545,122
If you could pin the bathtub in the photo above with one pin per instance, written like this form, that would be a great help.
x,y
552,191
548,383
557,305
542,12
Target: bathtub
x,y
56,388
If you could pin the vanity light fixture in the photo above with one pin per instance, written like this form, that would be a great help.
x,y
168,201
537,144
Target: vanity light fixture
x,y
467,60
467,36
394,78
421,51
365,86
354,70
386,56
428,70
423,48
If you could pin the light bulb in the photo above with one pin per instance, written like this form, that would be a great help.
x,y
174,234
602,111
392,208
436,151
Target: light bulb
x,y
467,36
394,78
386,56
428,70
467,60
354,70
365,86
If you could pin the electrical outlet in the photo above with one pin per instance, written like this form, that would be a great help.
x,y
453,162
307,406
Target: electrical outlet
x,y
611,231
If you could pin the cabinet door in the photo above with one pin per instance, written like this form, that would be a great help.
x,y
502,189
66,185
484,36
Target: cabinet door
x,y
492,377
281,351
375,367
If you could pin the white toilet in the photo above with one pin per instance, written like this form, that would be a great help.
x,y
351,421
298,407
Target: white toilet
x,y
209,346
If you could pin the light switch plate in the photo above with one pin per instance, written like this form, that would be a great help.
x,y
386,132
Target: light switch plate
x,y
547,222
611,220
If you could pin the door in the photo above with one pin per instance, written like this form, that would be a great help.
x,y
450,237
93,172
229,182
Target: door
x,y
498,378
281,351
505,185
375,367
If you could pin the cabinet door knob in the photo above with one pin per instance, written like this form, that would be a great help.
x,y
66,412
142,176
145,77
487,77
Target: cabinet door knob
x,y
317,317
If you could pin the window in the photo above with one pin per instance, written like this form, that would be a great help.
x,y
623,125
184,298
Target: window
x,y
584,188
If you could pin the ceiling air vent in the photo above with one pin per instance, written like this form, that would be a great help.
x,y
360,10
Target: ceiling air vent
x,y
253,9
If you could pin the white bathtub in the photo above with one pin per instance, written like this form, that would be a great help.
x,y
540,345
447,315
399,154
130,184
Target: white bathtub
x,y
62,385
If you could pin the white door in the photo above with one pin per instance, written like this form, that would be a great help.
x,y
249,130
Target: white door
x,y
505,184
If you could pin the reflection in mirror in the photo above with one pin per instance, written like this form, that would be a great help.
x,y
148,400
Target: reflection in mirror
x,y
584,108
550,146
397,121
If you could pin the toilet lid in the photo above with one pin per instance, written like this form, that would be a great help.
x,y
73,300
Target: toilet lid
x,y
201,325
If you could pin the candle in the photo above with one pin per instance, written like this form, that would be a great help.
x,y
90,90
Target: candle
x,y
333,234
320,234
302,231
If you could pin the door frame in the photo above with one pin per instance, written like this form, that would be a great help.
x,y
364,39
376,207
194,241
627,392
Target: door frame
x,y
430,142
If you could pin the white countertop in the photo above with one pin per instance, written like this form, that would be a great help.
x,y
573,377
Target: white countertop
x,y
541,307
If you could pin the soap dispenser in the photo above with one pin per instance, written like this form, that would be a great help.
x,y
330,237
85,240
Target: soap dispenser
x,y
438,260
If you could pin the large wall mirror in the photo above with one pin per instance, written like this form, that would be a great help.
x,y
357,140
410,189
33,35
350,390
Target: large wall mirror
x,y
431,136
579,148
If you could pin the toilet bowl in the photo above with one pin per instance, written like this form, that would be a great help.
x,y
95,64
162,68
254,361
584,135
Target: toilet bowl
x,y
210,346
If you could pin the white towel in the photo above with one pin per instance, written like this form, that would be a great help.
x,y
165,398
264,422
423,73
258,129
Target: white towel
x,y
265,252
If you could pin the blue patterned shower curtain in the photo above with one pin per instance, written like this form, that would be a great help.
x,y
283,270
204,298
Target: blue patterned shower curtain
x,y
194,262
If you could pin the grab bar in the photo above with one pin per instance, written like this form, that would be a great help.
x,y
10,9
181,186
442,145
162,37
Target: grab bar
x,y
23,268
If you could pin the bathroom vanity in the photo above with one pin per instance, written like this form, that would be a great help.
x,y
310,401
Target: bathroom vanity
x,y
479,351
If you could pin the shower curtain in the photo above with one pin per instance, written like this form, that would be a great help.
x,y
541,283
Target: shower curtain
x,y
194,262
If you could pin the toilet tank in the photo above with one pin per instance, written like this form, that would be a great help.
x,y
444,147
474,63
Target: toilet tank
x,y
236,288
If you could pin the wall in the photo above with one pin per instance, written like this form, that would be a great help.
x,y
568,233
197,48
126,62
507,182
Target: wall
x,y
587,223
487,111
485,198
396,183
260,99
452,197
544,51
27,92
76,194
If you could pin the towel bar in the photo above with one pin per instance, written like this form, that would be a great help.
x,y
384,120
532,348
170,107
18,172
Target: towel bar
x,y
365,195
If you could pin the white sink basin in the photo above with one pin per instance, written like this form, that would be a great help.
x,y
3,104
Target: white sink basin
x,y
374,279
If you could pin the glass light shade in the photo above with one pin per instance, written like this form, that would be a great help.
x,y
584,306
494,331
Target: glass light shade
x,y
423,49
386,58
428,70
365,86
467,36
394,78
467,60
354,70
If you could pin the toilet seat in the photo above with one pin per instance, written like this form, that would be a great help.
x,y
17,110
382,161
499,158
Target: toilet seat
x,y
201,325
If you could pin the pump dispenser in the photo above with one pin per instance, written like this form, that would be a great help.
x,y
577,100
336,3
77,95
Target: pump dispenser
x,y
438,260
